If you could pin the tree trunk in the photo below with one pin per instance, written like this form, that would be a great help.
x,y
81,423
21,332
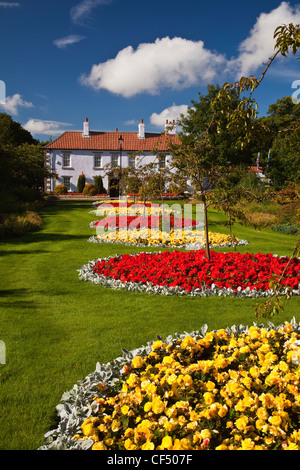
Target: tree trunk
x,y
206,228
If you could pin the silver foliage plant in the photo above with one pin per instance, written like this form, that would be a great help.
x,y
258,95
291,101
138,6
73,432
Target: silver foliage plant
x,y
77,404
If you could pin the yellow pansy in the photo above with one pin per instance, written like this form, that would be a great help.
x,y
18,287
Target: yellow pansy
x,y
167,442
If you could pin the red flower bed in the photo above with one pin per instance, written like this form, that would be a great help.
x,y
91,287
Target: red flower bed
x,y
127,204
191,270
143,222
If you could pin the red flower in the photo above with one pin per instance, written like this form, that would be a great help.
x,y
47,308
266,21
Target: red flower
x,y
190,270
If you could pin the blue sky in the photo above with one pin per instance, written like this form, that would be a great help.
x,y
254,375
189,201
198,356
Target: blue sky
x,y
117,61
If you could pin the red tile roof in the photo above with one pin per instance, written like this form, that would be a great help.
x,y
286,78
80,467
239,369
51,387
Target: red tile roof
x,y
109,141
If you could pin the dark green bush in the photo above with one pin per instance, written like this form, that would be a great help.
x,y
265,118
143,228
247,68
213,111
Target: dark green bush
x,y
80,183
288,229
99,185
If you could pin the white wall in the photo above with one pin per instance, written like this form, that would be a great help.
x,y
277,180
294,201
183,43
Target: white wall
x,y
82,161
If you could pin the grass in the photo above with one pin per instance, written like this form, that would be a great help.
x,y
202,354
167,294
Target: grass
x,y
56,327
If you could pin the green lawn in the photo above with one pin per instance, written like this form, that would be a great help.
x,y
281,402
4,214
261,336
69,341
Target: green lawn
x,y
56,327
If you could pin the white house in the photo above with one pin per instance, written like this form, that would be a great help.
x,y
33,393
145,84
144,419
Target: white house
x,y
88,152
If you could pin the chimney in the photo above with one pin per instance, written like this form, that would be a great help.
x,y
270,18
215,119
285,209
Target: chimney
x,y
170,127
86,128
141,133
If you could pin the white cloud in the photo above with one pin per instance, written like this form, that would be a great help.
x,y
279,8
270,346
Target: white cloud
x,y
68,40
82,11
180,63
12,103
9,4
172,113
258,47
131,122
39,126
170,63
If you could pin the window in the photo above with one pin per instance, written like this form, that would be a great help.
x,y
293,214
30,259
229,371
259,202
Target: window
x,y
97,160
67,182
66,159
114,159
162,162
131,162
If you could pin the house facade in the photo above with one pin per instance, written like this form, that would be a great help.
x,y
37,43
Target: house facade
x,y
92,152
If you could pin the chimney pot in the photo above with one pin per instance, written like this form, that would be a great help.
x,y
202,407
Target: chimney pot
x,y
116,129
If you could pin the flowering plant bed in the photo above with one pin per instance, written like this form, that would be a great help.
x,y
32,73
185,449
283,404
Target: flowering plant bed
x,y
131,209
148,221
192,273
235,388
174,238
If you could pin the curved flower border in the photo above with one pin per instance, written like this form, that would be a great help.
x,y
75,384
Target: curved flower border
x,y
187,246
77,404
86,273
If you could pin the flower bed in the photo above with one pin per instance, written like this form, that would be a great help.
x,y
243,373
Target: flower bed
x,y
235,388
148,221
192,273
174,238
130,209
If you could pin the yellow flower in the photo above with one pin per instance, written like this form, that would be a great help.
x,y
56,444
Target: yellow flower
x,y
247,444
157,345
241,423
99,446
221,447
223,411
205,434
157,405
209,385
148,446
115,425
129,445
125,409
137,362
172,379
88,429
208,398
166,443
275,420
147,406
262,413
188,342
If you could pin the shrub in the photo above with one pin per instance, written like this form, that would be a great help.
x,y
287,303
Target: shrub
x,y
289,194
60,189
261,220
16,225
99,185
288,229
89,190
81,183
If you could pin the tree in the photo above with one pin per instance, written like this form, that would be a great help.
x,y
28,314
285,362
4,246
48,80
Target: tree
x,y
208,148
283,164
287,41
21,158
12,133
